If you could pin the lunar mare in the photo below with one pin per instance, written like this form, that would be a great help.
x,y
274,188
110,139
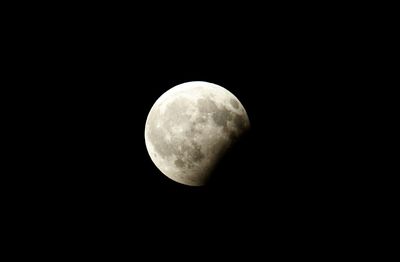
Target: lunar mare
x,y
190,127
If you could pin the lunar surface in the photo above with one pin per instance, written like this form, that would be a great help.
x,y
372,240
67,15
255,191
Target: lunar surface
x,y
190,127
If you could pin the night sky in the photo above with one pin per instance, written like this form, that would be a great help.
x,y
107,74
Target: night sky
x,y
279,172
95,84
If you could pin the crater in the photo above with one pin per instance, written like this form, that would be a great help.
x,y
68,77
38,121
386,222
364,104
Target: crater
x,y
234,103
179,163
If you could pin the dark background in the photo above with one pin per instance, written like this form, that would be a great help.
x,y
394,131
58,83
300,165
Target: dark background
x,y
93,79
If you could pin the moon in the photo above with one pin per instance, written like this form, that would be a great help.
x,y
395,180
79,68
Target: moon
x,y
190,127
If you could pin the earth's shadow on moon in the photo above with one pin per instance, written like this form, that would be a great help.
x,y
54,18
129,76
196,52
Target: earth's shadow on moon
x,y
232,174
230,171
227,187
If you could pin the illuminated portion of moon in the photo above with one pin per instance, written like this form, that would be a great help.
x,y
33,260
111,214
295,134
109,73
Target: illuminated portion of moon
x,y
190,127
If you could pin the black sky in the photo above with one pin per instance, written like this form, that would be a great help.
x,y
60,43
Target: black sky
x,y
95,81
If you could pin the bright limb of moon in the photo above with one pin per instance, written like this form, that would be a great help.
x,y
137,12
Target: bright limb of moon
x,y
190,127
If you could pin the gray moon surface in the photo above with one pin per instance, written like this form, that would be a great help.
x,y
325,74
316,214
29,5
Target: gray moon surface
x,y
190,127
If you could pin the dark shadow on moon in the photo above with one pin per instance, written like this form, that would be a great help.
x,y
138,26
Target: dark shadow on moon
x,y
228,177
230,170
226,190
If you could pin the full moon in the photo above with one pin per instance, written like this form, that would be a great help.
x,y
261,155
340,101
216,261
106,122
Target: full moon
x,y
190,127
